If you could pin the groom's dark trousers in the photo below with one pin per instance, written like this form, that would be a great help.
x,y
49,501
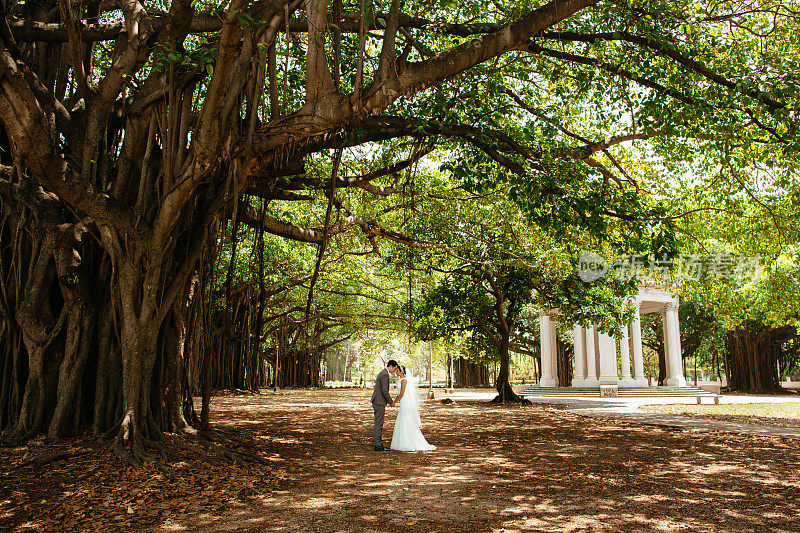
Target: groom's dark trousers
x,y
380,398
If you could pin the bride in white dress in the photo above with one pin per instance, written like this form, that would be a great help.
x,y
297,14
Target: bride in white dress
x,y
407,436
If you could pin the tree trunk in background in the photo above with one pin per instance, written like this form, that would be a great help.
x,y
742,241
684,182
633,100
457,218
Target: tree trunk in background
x,y
299,368
502,384
564,352
469,374
449,370
752,355
662,364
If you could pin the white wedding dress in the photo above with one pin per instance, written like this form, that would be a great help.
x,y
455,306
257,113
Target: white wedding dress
x,y
407,436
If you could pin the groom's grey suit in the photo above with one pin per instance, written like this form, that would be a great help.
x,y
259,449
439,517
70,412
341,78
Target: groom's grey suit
x,y
380,398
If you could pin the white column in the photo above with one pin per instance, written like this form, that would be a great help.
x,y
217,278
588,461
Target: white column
x,y
554,349
638,356
591,357
596,333
673,355
546,349
607,348
625,359
579,379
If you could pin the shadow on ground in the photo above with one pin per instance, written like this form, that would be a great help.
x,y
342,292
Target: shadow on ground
x,y
513,468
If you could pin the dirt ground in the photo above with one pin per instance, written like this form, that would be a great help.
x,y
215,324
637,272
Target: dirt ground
x,y
785,415
522,468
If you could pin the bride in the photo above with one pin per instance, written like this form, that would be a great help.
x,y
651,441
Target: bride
x,y
407,436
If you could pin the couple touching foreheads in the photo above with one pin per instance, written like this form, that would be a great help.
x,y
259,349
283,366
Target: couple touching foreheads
x,y
407,436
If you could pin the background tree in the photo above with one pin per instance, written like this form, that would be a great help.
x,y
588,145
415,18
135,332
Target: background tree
x,y
499,273
739,272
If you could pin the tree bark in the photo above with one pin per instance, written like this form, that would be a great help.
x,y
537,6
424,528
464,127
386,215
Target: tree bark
x,y
504,391
469,374
564,354
752,354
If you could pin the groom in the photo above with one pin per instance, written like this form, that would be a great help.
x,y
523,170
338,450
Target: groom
x,y
380,397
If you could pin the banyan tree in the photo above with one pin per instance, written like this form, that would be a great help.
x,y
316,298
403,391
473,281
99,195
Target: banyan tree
x,y
131,133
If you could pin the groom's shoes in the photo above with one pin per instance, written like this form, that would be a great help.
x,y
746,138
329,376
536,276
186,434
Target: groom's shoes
x,y
381,448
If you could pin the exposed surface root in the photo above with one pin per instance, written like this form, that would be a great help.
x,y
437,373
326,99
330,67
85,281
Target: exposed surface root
x,y
214,446
52,457
512,399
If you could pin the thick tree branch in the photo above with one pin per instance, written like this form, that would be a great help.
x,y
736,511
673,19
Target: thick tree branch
x,y
53,32
319,82
388,56
250,217
333,112
421,75
32,130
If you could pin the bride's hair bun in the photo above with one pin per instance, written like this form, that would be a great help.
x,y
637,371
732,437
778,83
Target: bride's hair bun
x,y
404,369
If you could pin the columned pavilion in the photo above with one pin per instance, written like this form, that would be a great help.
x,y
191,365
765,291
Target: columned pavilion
x,y
599,355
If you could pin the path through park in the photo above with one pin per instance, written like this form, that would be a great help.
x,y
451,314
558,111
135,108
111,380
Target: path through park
x,y
521,468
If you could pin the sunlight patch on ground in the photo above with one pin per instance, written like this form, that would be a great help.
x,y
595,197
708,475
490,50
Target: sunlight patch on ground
x,y
320,503
172,526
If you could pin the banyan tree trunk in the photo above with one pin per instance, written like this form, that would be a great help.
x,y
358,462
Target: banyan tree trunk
x,y
752,355
238,355
662,364
564,353
469,374
57,350
298,368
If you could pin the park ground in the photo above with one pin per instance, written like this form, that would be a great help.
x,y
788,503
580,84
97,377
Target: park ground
x,y
785,415
511,468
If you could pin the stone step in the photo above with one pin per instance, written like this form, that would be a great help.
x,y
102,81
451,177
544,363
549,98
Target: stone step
x,y
632,392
